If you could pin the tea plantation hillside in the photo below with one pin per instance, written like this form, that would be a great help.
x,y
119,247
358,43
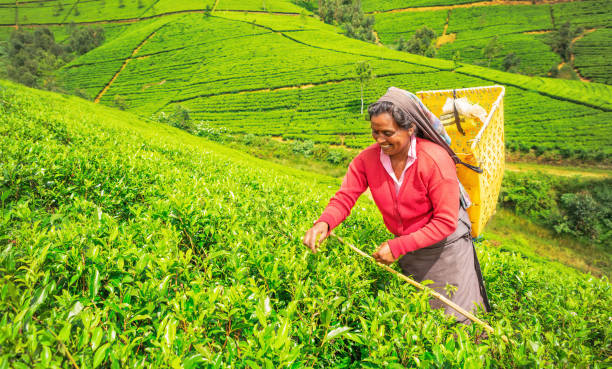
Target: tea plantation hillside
x,y
289,75
129,243
52,12
523,29
294,77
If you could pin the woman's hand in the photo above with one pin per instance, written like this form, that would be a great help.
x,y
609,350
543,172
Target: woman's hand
x,y
383,255
310,238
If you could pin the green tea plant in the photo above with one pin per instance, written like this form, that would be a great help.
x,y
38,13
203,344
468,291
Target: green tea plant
x,y
126,243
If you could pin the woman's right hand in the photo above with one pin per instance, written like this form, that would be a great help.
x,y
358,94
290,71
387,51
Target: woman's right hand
x,y
310,238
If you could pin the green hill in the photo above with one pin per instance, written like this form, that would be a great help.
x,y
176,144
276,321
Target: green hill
x,y
526,30
127,242
292,76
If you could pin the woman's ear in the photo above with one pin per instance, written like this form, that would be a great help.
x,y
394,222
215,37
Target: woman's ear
x,y
411,130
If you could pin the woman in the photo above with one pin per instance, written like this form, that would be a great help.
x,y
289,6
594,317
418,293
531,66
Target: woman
x,y
414,183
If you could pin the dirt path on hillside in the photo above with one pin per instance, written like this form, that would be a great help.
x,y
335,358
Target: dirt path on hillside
x,y
376,38
470,5
446,38
573,56
125,63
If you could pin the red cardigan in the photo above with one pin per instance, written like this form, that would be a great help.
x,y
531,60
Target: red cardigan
x,y
424,212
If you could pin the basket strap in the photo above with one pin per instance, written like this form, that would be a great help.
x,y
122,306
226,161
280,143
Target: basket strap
x,y
456,114
472,167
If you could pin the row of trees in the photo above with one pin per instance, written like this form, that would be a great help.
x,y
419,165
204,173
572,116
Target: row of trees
x,y
34,56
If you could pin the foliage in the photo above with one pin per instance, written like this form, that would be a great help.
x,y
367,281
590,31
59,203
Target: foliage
x,y
180,117
363,70
421,43
562,40
303,147
385,5
350,16
591,55
492,49
581,207
528,34
583,213
84,39
511,61
289,77
33,56
128,243
119,102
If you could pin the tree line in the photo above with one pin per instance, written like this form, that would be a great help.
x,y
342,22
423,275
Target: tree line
x,y
34,55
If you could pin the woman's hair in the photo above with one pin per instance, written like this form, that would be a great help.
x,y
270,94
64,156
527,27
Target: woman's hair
x,y
398,114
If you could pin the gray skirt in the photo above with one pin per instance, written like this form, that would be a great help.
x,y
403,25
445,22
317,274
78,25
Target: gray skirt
x,y
453,266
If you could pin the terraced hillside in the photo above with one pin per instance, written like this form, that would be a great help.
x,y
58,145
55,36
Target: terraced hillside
x,y
128,243
292,76
522,28
63,12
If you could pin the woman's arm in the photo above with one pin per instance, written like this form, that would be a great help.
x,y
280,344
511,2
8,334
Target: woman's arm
x,y
353,185
339,207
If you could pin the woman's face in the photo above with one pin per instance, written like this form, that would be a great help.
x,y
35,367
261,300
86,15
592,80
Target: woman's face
x,y
392,139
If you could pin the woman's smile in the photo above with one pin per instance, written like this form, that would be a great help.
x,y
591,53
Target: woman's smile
x,y
392,139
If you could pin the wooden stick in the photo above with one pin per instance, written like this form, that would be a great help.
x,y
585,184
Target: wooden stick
x,y
416,284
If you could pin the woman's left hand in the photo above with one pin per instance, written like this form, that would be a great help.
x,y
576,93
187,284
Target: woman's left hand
x,y
383,254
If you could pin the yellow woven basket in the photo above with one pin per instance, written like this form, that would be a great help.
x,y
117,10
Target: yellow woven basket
x,y
484,148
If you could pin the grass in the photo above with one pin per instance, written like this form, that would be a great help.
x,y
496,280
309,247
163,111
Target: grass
x,y
559,170
513,233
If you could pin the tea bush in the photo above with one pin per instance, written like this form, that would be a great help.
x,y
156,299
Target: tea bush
x,y
126,243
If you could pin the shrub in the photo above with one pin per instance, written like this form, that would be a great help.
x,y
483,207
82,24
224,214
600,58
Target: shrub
x,y
581,212
510,62
181,118
421,43
119,102
303,147
84,39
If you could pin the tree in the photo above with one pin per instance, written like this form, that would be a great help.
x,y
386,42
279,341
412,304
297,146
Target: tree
x,y
456,58
33,57
181,118
421,43
492,49
563,38
364,74
84,39
350,16
510,61
120,102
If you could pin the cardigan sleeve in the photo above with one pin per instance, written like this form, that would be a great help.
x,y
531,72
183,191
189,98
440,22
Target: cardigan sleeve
x,y
353,185
443,192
